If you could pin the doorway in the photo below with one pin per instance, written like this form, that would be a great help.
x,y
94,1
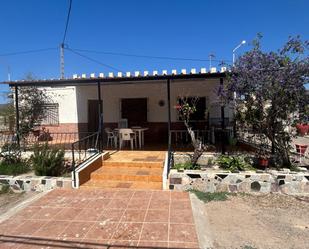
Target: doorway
x,y
135,111
93,115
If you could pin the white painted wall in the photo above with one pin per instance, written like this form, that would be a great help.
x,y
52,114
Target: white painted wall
x,y
112,94
66,98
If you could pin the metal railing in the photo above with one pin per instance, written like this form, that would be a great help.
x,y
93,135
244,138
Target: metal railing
x,y
57,139
181,138
170,162
83,150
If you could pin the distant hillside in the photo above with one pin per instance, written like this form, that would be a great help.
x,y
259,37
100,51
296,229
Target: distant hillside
x,y
3,107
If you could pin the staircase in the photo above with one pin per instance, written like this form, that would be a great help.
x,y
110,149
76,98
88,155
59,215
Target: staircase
x,y
130,170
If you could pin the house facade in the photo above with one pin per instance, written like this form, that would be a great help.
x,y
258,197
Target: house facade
x,y
142,101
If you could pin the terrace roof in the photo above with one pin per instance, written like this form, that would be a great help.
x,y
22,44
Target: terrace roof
x,y
121,78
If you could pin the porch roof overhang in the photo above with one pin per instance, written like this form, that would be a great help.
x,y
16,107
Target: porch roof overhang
x,y
114,80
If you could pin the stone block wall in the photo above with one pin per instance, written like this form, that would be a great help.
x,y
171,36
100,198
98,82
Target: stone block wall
x,y
268,182
35,183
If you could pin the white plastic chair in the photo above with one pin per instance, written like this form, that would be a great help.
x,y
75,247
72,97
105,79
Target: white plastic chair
x,y
111,137
123,123
126,135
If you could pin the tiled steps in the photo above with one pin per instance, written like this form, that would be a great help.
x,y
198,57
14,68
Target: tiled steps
x,y
129,164
122,184
122,172
128,174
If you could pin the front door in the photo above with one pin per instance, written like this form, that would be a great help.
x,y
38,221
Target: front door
x,y
93,115
135,110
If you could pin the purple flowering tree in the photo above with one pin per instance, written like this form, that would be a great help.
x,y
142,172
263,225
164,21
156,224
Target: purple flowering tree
x,y
268,89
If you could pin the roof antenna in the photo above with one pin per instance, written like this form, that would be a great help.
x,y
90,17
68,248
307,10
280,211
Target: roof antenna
x,y
211,56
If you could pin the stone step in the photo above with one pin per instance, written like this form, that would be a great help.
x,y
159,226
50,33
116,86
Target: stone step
x,y
127,174
122,184
130,164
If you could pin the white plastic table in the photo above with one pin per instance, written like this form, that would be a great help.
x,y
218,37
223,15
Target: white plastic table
x,y
140,132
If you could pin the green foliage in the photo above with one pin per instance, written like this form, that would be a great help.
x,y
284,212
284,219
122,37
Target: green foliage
x,y
269,87
186,166
48,161
32,109
4,189
233,163
207,197
232,141
15,168
12,162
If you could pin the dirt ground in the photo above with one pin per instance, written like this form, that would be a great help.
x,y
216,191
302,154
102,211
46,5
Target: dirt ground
x,y
268,221
10,200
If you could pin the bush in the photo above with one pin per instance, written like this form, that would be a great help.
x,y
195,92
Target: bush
x,y
48,161
11,161
14,169
233,163
186,166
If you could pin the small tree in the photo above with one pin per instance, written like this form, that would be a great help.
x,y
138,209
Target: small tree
x,y
269,89
185,109
31,107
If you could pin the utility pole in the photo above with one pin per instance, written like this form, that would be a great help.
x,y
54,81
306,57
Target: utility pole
x,y
62,60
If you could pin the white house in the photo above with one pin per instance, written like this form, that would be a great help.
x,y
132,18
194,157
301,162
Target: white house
x,y
141,98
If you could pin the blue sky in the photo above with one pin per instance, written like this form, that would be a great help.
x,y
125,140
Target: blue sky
x,y
186,28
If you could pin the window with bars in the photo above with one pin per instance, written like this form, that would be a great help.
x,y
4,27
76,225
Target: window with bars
x,y
51,114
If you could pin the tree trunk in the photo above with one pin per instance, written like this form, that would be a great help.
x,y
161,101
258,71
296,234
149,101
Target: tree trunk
x,y
198,147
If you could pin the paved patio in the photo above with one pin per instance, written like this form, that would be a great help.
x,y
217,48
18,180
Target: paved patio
x,y
103,219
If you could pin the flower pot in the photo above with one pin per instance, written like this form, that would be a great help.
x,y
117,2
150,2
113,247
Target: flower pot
x,y
263,162
302,129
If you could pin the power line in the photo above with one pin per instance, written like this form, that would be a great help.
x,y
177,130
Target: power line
x,y
94,60
67,22
146,56
28,51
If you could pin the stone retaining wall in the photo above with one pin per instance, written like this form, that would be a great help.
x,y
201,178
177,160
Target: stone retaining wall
x,y
35,183
266,182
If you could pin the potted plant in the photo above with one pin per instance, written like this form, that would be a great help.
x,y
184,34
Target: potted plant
x,y
302,129
263,158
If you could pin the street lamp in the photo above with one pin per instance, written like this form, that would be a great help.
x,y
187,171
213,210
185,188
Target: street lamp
x,y
242,43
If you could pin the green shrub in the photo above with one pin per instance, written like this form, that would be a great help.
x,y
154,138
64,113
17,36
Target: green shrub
x,y
14,169
186,166
233,163
48,161
12,162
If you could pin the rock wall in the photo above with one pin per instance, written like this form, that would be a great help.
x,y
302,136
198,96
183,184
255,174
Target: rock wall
x,y
274,181
35,183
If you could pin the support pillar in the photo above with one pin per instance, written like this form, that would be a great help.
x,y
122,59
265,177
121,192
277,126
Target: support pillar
x,y
223,133
17,117
100,115
168,86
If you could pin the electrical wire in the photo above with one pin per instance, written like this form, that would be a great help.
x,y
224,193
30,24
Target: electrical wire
x,y
28,51
146,56
67,22
93,60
